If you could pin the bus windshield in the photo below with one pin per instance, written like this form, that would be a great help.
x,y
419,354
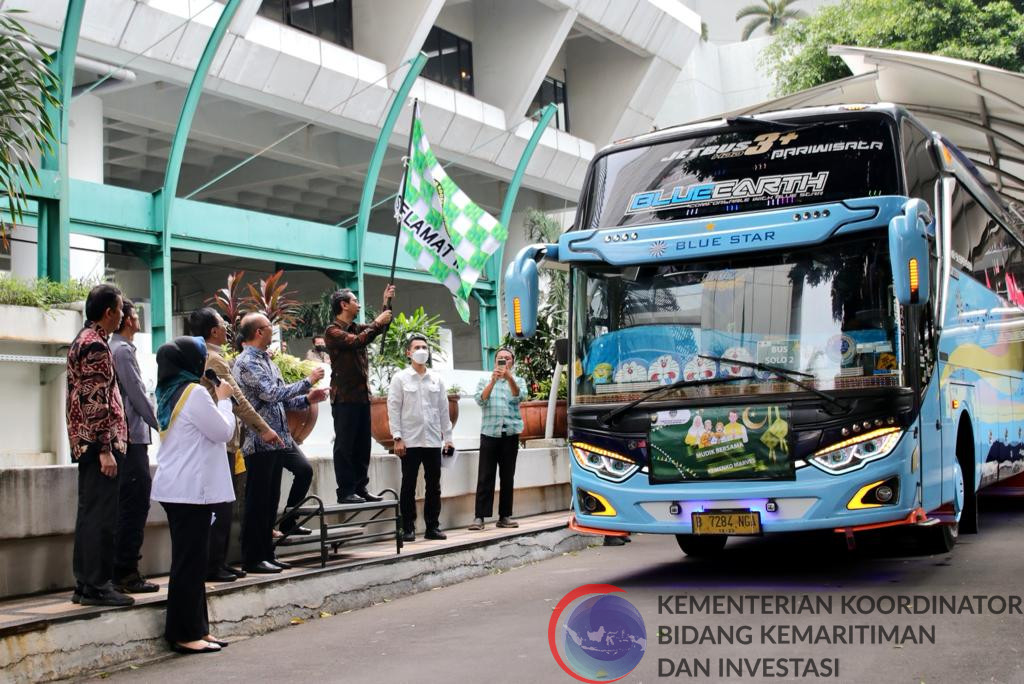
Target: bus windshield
x,y
747,168
828,312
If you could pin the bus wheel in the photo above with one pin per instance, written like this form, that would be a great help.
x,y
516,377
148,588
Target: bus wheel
x,y
940,538
701,546
965,457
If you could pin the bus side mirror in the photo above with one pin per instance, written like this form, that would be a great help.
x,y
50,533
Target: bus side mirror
x,y
562,351
909,251
522,289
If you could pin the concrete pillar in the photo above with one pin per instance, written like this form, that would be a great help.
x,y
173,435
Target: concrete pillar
x,y
85,162
531,31
392,31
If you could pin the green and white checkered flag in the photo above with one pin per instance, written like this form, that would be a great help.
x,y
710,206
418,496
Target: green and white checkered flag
x,y
441,228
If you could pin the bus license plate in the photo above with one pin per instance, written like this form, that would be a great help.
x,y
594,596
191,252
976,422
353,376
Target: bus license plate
x,y
726,522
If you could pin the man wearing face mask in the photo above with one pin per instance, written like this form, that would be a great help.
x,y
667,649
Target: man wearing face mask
x,y
419,420
319,351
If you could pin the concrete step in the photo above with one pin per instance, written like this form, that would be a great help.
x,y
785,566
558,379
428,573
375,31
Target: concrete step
x,y
46,637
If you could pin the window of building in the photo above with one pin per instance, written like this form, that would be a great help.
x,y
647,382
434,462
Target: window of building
x,y
327,19
552,90
451,60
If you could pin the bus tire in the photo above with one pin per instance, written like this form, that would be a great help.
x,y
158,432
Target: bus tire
x,y
940,538
965,457
701,545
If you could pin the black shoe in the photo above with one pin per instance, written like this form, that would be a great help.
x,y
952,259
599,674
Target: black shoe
x,y
505,521
262,568
362,493
409,536
435,534
235,571
615,541
221,575
280,563
178,648
107,596
352,499
300,531
76,595
218,642
135,584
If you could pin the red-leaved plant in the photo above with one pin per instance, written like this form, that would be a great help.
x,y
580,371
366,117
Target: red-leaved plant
x,y
227,300
272,299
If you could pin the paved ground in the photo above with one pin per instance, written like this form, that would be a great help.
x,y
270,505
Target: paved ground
x,y
493,629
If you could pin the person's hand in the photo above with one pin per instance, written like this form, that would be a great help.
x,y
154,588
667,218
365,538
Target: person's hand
x,y
108,464
317,375
389,292
399,448
383,318
317,395
497,374
223,391
448,446
271,437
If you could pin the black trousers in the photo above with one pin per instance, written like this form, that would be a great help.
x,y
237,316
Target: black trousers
x,y
496,454
295,462
430,458
187,619
134,484
263,479
351,447
223,517
96,522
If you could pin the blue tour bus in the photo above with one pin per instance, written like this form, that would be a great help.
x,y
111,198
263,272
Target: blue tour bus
x,y
808,319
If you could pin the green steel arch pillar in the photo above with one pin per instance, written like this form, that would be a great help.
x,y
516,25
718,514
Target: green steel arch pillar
x,y
490,303
53,247
358,239
164,199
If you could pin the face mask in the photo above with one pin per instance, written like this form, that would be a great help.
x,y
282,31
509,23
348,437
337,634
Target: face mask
x,y
321,347
420,356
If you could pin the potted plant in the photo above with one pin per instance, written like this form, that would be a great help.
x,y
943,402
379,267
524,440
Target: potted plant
x,y
388,357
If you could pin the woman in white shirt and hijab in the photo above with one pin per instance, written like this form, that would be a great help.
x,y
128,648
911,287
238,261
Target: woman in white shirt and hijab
x,y
191,476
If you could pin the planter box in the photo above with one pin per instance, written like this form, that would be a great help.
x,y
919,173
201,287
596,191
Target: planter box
x,y
535,418
32,325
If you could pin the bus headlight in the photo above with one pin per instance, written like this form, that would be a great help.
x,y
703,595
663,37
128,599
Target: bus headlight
x,y
853,453
603,462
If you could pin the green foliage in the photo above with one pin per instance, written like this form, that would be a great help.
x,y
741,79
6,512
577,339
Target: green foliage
x,y
27,85
991,33
544,388
389,358
772,14
42,293
312,318
454,389
292,368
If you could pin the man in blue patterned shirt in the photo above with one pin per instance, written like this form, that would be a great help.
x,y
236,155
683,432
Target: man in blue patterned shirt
x,y
264,388
499,399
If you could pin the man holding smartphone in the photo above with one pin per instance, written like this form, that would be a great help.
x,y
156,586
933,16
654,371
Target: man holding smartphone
x,y
499,399
418,415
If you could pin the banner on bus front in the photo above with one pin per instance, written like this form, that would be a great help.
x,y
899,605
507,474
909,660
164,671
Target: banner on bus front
x,y
721,443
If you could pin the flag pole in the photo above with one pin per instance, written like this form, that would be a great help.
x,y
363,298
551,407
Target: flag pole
x,y
398,219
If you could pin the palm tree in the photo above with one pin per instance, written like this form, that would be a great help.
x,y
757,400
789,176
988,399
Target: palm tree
x,y
774,13
27,86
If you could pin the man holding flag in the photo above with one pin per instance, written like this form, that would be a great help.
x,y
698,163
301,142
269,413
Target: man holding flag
x,y
439,226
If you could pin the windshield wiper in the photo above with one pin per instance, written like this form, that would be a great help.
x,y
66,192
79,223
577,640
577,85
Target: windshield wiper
x,y
654,392
790,375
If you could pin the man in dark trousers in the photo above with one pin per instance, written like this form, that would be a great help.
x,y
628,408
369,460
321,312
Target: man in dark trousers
x,y
209,325
98,437
350,393
134,479
263,386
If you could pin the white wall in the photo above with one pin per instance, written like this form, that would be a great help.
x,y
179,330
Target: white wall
x,y
458,19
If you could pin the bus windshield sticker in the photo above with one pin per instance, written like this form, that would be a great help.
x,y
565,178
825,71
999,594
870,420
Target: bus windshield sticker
x,y
721,443
723,192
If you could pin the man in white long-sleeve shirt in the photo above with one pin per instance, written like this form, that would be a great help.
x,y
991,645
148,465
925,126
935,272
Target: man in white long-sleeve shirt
x,y
419,420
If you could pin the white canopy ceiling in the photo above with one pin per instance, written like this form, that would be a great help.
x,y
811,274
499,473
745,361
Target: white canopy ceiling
x,y
978,108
